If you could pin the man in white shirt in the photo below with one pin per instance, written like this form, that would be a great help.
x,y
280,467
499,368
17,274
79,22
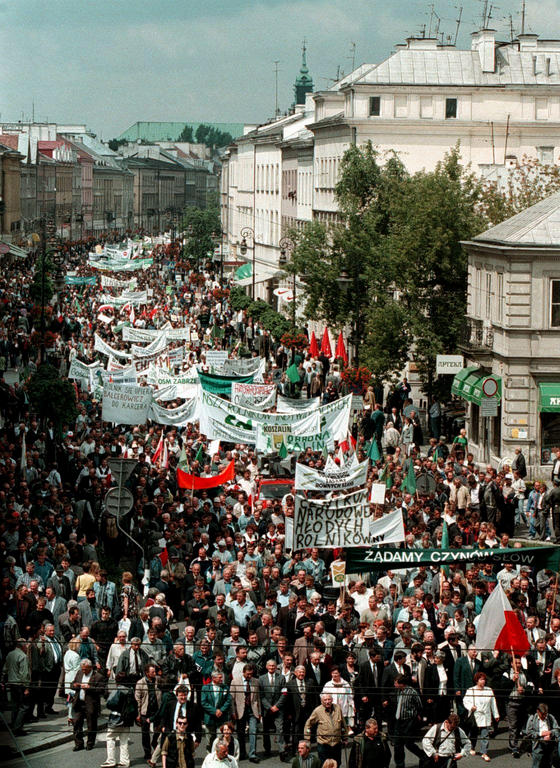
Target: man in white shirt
x,y
220,758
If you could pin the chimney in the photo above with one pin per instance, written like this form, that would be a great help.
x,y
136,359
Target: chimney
x,y
422,43
527,42
484,41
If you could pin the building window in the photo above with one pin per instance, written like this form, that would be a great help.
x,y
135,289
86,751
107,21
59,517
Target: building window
x,y
488,296
450,109
374,106
499,303
555,303
545,155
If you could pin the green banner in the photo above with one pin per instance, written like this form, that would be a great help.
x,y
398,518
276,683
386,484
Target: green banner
x,y
381,558
221,385
80,280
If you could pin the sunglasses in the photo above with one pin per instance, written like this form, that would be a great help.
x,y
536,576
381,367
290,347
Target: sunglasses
x,y
181,722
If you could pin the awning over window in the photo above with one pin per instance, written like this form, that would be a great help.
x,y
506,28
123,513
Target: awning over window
x,y
468,384
549,397
263,272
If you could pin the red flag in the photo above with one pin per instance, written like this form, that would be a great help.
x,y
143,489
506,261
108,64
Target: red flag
x,y
164,557
326,344
340,350
313,346
158,451
499,629
195,483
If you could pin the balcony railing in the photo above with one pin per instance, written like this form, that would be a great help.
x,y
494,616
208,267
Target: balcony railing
x,y
477,335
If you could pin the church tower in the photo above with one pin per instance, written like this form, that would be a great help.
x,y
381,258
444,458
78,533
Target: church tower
x,y
304,81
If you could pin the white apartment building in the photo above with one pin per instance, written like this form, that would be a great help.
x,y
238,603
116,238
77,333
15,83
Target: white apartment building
x,y
500,100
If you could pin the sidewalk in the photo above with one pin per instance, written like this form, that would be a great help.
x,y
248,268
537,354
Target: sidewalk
x,y
41,735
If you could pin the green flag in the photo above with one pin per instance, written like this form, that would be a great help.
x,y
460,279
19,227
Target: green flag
x,y
409,482
385,477
293,374
373,451
283,451
199,453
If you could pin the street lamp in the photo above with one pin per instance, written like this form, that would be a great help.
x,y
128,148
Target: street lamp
x,y
348,283
248,232
286,247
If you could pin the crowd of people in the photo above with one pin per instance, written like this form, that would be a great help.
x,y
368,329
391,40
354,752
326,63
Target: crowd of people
x,y
235,641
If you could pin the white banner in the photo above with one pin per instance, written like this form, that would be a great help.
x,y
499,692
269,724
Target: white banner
x,y
123,376
290,405
388,529
215,358
332,523
271,436
221,420
105,349
176,417
257,396
141,335
125,404
334,420
244,366
111,282
80,370
153,350
341,479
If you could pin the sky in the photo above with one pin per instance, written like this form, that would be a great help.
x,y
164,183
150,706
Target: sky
x,y
109,63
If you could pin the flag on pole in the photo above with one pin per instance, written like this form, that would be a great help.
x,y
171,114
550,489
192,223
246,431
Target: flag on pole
x,y
164,463
409,482
385,477
444,545
132,316
158,451
293,374
23,460
499,629
349,444
199,453
283,451
374,455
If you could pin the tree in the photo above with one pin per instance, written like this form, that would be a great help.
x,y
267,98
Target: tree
x,y
51,396
202,226
114,144
398,249
212,137
186,135
526,184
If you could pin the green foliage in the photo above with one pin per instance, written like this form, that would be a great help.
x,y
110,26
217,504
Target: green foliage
x,y
42,292
202,226
114,144
275,323
212,137
51,396
399,244
238,298
186,135
526,184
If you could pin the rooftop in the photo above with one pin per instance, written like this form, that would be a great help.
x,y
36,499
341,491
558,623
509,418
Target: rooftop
x,y
538,225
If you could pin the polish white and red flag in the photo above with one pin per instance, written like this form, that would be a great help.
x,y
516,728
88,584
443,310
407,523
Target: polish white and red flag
x,y
499,628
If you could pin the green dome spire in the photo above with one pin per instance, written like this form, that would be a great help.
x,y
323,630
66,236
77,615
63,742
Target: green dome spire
x,y
304,81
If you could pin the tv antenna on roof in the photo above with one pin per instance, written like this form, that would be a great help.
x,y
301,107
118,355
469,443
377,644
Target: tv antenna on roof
x,y
352,56
458,24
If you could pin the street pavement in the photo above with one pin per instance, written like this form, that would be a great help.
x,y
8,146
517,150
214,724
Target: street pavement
x,y
62,755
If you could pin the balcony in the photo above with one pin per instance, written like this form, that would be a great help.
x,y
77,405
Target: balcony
x,y
477,338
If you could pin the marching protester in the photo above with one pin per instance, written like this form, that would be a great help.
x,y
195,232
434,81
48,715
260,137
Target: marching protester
x,y
194,613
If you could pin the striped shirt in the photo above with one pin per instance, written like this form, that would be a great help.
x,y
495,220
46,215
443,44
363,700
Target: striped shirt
x,y
409,704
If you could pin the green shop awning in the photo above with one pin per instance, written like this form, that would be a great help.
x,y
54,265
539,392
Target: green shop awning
x,y
243,272
468,384
549,397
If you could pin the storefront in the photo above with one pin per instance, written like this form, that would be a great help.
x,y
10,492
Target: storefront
x,y
549,407
477,386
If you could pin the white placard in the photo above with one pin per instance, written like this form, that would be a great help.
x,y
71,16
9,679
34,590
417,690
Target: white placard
x,y
125,404
378,493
